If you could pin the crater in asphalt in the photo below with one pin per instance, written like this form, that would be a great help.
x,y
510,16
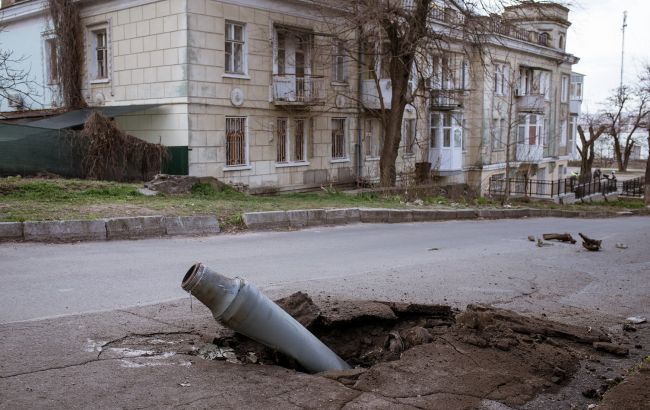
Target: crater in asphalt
x,y
428,356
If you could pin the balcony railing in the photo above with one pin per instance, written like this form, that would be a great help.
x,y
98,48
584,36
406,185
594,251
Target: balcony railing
x,y
290,89
370,93
529,153
533,103
445,100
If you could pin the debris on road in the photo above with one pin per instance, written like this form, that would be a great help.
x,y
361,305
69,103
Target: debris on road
x,y
541,243
621,246
531,238
590,244
636,320
612,348
564,237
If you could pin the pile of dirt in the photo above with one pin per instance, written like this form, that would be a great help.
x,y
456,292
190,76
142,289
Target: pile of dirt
x,y
181,184
433,356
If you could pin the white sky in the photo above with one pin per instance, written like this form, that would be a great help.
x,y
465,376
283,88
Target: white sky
x,y
595,37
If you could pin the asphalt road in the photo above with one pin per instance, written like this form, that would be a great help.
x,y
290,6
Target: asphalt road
x,y
456,262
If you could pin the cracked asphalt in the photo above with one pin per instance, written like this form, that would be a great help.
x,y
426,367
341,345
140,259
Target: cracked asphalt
x,y
59,304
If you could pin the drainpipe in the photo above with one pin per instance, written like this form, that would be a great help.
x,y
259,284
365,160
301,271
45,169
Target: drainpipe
x,y
359,150
239,305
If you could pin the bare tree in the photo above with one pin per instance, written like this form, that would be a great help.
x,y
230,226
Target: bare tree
x,y
595,130
631,106
16,84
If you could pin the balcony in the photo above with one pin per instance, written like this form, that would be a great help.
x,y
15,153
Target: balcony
x,y
575,106
446,100
533,103
370,94
300,91
529,153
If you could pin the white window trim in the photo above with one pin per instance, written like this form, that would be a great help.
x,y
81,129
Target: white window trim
x,y
244,74
227,168
92,57
540,139
288,147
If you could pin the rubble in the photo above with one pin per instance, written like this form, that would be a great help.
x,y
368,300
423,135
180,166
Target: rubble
x,y
563,237
181,184
590,244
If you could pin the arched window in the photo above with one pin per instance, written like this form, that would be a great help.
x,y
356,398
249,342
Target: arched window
x,y
560,42
543,39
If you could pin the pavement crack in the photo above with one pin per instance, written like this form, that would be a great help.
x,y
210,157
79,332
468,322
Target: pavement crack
x,y
459,352
66,366
162,322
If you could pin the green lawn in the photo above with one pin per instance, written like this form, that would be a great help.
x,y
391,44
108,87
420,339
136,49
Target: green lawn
x,y
24,199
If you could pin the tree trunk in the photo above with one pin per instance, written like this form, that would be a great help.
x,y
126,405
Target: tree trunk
x,y
618,155
647,174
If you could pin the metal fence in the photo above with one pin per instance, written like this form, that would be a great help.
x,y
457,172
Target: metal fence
x,y
550,188
633,187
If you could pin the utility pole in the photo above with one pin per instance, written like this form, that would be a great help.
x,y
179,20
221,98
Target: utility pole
x,y
623,47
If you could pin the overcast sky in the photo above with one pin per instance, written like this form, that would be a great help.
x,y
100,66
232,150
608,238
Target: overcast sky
x,y
595,37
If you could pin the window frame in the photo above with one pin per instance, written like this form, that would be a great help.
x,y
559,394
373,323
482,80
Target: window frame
x,y
525,126
50,43
229,59
410,136
344,152
286,152
339,66
246,160
93,68
564,88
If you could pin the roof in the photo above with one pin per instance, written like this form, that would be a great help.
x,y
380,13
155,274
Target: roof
x,y
78,117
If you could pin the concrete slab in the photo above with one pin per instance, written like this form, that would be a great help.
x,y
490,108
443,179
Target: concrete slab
x,y
65,231
400,215
371,215
11,231
191,225
135,227
266,220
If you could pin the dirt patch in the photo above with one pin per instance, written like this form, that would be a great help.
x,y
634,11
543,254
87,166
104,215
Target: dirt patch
x,y
432,356
634,391
425,356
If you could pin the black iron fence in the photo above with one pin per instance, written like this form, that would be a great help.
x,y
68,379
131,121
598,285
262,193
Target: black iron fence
x,y
633,187
550,188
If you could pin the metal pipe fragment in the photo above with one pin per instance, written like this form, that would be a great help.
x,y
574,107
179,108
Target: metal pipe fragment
x,y
239,305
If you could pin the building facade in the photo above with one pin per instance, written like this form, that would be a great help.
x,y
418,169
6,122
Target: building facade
x,y
264,95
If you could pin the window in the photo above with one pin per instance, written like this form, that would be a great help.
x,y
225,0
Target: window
x,y
530,128
572,129
501,79
281,136
496,134
576,90
338,74
291,140
235,48
374,136
236,143
409,136
545,84
442,125
564,92
563,132
544,39
338,139
52,65
99,69
560,42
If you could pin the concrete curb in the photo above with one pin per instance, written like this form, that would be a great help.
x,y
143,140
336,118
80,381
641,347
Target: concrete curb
x,y
107,229
314,217
156,226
